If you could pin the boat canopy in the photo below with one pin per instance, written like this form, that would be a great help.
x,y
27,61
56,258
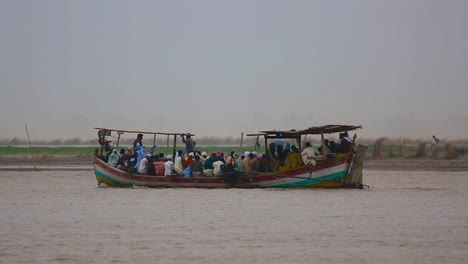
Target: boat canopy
x,y
122,131
317,130
106,132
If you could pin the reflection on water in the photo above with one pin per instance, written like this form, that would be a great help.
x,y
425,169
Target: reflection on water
x,y
63,217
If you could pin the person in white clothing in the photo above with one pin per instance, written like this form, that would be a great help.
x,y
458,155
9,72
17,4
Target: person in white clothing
x,y
217,168
143,168
309,155
113,158
179,163
168,166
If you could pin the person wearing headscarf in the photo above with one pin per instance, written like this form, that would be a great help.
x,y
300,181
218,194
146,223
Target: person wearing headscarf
x,y
293,159
220,156
239,163
231,162
197,166
273,160
113,158
178,162
246,161
188,160
217,171
254,164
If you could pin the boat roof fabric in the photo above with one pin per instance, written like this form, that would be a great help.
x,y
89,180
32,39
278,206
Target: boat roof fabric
x,y
317,130
142,132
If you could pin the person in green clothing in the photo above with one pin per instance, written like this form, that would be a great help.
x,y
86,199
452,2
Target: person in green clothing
x,y
197,166
208,166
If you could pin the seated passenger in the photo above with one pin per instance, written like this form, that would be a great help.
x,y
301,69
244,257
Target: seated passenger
x,y
197,166
188,160
254,165
263,163
327,147
204,156
246,161
143,167
273,160
239,163
293,160
168,166
220,156
122,152
208,166
309,155
187,172
159,167
333,147
280,153
346,144
113,158
178,163
231,162
150,169
217,171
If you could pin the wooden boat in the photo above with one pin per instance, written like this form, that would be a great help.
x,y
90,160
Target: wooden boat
x,y
343,170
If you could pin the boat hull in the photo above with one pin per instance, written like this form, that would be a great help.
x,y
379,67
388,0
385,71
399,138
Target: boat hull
x,y
330,173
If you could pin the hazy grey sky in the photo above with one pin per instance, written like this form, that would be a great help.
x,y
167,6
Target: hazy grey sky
x,y
217,68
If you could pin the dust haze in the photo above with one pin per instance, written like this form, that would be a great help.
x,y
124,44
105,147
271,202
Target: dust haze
x,y
219,68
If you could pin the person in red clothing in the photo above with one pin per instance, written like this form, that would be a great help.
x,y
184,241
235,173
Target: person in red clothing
x,y
159,167
188,160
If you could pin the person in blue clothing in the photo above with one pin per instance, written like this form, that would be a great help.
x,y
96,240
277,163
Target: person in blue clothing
x,y
140,154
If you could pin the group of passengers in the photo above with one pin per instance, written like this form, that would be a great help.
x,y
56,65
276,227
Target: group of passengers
x,y
194,163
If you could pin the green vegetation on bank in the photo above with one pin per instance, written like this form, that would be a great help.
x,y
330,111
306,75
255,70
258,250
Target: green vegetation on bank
x,y
46,150
89,150
385,149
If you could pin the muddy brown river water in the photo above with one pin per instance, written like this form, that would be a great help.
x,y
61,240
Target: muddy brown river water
x,y
64,217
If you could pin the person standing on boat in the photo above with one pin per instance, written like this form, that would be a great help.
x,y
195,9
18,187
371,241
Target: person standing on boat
x,y
139,155
189,143
138,140
309,155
